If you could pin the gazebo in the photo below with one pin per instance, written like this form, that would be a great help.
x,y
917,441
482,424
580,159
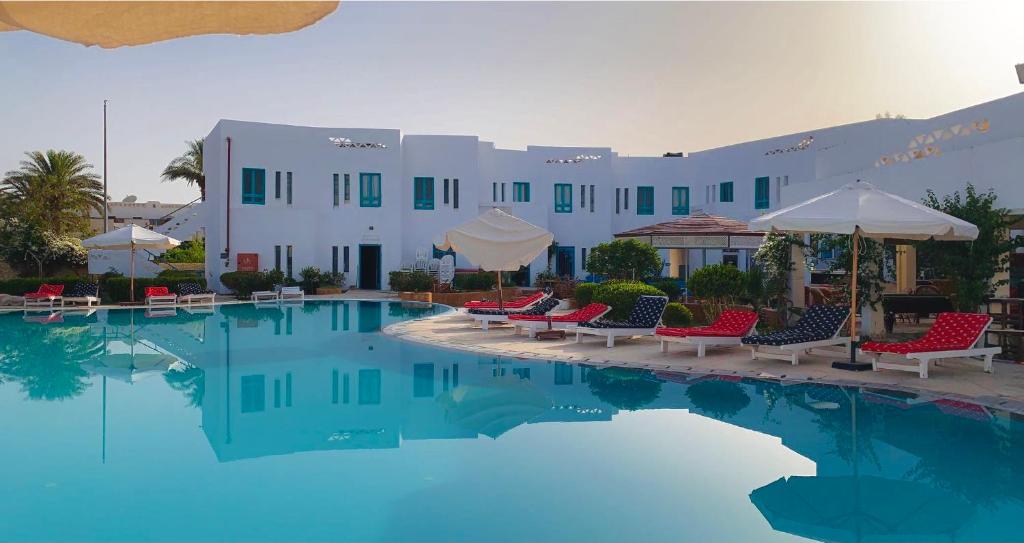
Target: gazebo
x,y
697,231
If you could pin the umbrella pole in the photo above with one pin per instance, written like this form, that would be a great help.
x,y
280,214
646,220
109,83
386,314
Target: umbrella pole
x,y
501,304
131,289
853,365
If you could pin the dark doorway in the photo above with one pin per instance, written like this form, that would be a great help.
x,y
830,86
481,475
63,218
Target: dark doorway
x,y
369,267
565,262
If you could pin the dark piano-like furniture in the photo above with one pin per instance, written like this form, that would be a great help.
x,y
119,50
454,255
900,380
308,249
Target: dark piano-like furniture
x,y
917,304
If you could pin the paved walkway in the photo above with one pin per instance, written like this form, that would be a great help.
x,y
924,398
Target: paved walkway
x,y
953,378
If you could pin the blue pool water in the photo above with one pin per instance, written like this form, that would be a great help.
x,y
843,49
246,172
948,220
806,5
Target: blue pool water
x,y
305,423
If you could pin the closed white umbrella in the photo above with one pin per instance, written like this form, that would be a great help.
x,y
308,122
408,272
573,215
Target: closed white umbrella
x,y
859,209
130,238
497,241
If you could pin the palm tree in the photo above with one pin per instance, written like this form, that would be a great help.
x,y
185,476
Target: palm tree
x,y
188,167
54,190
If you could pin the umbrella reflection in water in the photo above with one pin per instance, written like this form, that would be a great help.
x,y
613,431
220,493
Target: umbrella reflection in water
x,y
495,406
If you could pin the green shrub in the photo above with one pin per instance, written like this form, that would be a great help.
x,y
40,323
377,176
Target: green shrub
x,y
669,286
475,281
585,293
245,283
415,281
622,296
624,259
718,286
677,315
21,285
116,289
309,279
190,251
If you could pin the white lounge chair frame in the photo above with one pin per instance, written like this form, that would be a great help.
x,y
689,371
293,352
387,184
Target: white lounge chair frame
x,y
924,358
292,293
48,301
264,296
532,326
205,298
87,300
486,320
156,301
702,342
793,350
465,310
610,333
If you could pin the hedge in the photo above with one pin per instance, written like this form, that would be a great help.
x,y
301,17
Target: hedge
x,y
415,281
475,281
113,289
622,296
677,315
245,283
585,293
669,286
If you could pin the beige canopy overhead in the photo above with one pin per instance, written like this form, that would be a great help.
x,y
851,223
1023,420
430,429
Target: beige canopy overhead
x,y
117,24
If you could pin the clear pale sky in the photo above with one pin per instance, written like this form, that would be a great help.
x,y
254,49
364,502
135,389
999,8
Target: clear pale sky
x,y
641,78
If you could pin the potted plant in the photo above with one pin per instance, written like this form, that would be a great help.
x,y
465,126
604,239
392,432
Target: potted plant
x,y
331,283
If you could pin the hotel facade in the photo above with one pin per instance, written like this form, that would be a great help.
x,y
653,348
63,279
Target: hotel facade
x,y
366,201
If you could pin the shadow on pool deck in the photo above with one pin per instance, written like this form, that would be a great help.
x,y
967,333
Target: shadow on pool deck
x,y
953,378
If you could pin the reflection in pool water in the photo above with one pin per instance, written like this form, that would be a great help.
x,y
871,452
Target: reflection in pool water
x,y
202,425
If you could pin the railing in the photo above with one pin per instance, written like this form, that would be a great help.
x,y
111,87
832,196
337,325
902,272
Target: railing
x,y
166,218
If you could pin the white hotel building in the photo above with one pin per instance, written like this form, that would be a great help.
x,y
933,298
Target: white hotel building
x,y
363,201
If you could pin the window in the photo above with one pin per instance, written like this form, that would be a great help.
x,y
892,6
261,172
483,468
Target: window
x,y
761,193
494,191
289,188
520,191
277,258
617,200
422,380
423,193
446,192
522,373
253,186
334,259
254,393
277,185
503,192
731,258
583,197
288,262
344,260
583,257
563,198
369,190
680,200
645,200
778,188
348,188
369,387
337,191
334,386
591,198
625,198
725,191
455,193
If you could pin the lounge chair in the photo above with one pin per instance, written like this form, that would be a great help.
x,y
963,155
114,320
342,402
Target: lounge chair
x,y
953,335
532,323
518,303
731,326
292,293
192,292
46,296
487,316
159,296
642,321
264,296
820,326
83,293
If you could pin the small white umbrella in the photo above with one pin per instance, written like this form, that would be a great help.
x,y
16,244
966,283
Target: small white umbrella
x,y
130,238
497,241
859,209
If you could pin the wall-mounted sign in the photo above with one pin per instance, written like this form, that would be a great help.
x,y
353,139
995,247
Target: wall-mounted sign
x,y
706,242
248,262
745,242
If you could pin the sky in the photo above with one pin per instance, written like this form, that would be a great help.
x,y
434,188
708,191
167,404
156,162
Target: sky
x,y
643,79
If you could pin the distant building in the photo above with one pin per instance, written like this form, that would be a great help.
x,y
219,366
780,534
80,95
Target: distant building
x,y
365,201
180,221
146,214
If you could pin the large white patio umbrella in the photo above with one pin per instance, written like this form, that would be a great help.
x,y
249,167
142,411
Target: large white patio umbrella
x,y
130,238
859,209
497,241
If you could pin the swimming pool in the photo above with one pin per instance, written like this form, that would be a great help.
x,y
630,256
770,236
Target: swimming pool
x,y
304,422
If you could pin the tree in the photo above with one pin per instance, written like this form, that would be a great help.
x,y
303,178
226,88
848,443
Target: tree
x,y
53,191
987,256
624,259
718,286
188,167
872,266
774,260
30,247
